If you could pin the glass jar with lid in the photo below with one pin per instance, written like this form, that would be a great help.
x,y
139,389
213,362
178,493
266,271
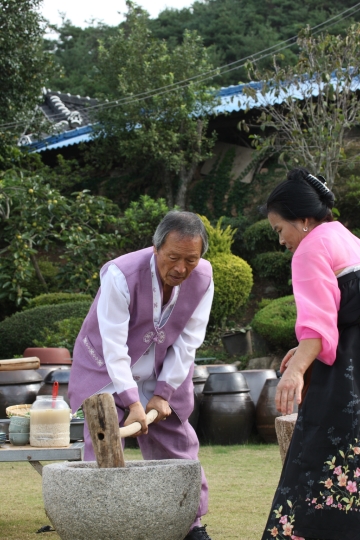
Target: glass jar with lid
x,y
50,422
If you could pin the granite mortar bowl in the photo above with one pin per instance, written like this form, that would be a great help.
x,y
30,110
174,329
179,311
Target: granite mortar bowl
x,y
145,500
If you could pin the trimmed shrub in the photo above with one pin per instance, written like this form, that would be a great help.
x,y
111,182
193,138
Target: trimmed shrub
x,y
261,238
276,323
233,277
220,240
53,299
275,266
233,281
21,329
63,335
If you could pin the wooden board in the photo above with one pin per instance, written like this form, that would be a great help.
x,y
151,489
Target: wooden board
x,y
19,363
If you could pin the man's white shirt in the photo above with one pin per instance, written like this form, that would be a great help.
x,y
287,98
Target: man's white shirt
x,y
113,316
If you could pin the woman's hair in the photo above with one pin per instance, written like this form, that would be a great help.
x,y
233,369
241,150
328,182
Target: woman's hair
x,y
301,196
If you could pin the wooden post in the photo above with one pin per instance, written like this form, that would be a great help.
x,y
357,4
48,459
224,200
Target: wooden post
x,y
284,427
102,420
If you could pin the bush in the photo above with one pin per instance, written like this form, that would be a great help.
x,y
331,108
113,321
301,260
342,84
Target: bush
x,y
239,224
275,266
53,299
233,281
261,238
220,240
63,335
21,329
276,323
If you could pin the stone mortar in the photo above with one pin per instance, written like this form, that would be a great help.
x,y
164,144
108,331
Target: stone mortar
x,y
146,500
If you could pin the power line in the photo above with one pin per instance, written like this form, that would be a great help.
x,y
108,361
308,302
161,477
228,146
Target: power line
x,y
217,72
237,64
183,84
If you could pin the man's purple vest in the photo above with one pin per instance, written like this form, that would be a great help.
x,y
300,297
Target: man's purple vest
x,y
89,374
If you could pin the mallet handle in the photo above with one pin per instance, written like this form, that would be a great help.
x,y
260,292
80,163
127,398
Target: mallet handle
x,y
133,428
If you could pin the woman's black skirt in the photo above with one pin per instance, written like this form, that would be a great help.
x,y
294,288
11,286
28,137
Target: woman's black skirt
x,y
318,496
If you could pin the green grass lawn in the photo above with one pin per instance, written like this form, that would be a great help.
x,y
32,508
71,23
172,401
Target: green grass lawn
x,y
242,481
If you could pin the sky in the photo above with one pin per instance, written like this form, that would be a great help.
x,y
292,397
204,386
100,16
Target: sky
x,y
80,11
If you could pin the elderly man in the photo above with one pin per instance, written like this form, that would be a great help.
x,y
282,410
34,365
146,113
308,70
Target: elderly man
x,y
139,339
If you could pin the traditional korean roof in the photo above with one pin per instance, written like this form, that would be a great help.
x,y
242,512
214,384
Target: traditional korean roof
x,y
70,114
236,98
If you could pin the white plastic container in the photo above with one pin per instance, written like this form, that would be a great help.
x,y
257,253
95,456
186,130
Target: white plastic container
x,y
49,422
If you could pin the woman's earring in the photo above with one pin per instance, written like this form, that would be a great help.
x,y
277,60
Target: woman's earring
x,y
305,229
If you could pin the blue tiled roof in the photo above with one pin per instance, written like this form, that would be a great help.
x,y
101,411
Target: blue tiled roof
x,y
232,99
67,138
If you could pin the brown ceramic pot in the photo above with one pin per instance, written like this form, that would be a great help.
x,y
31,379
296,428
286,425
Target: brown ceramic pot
x,y
266,411
51,358
61,376
256,379
226,411
18,387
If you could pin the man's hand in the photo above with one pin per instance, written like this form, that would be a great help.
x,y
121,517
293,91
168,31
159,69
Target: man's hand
x,y
161,406
137,414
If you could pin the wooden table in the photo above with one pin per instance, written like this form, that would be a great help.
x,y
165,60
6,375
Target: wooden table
x,y
32,454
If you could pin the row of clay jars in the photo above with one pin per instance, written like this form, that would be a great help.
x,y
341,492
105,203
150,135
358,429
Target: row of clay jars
x,y
227,414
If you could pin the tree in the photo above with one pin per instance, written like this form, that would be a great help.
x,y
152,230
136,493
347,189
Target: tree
x,y
235,29
165,128
320,103
75,51
34,218
23,66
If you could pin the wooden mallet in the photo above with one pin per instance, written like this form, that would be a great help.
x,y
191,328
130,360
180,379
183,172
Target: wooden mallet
x,y
102,420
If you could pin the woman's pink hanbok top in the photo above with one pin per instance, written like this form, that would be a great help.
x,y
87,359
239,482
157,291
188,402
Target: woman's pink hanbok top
x,y
328,248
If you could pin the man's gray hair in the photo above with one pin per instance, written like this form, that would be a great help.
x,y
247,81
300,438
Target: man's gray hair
x,y
185,224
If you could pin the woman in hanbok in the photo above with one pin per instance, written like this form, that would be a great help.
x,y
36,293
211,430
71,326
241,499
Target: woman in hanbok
x,y
318,496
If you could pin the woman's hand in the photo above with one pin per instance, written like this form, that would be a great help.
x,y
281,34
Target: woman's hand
x,y
289,389
161,406
286,359
137,414
293,367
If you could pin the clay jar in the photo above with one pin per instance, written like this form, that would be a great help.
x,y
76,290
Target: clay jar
x,y
18,387
61,376
256,379
199,379
200,376
50,358
266,411
227,411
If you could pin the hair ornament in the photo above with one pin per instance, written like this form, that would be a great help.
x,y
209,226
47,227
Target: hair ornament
x,y
318,183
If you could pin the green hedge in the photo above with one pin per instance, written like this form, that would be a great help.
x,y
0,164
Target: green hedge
x,y
260,237
53,299
275,266
63,335
233,282
21,329
276,323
